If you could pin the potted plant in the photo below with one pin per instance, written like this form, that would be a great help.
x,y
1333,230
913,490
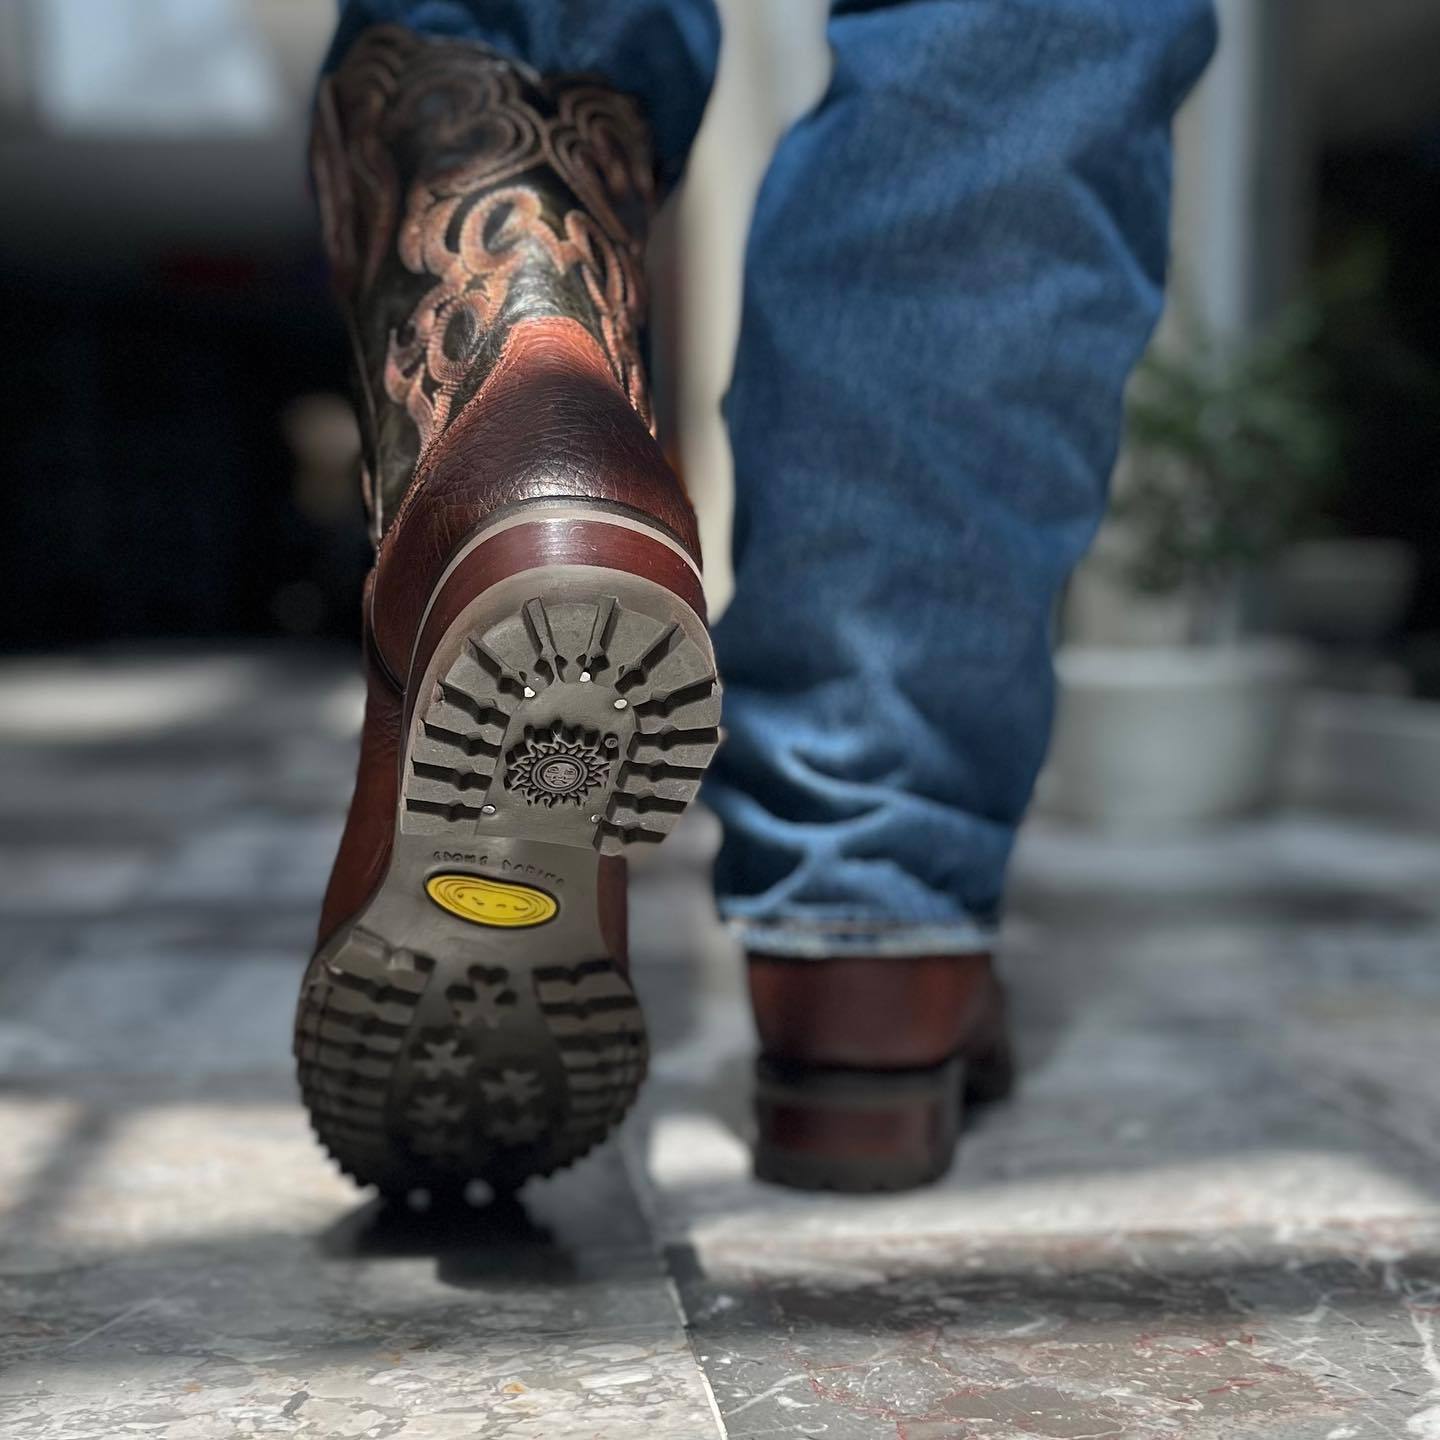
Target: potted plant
x,y
1171,710
1348,584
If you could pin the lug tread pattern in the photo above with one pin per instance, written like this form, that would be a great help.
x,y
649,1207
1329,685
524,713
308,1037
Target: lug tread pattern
x,y
419,1080
606,660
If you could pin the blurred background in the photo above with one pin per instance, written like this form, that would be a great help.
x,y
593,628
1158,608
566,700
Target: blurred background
x,y
1265,599
1213,1208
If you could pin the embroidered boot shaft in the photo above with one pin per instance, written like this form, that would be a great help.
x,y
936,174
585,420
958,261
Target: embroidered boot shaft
x,y
461,195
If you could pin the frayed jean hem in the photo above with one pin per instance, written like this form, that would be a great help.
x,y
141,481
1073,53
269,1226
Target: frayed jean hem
x,y
823,941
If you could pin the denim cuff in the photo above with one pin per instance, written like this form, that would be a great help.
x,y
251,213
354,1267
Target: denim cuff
x,y
823,940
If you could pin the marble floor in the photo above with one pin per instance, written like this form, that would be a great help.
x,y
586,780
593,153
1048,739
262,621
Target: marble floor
x,y
1212,1210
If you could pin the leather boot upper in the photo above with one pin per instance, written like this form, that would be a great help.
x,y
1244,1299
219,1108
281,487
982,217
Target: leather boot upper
x,y
873,1012
486,229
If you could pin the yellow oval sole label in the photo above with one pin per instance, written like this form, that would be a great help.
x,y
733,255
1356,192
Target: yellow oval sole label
x,y
491,902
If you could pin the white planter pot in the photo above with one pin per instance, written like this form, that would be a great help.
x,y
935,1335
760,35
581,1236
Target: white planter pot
x,y
1162,737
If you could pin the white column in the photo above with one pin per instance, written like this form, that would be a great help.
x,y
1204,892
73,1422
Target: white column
x,y
773,67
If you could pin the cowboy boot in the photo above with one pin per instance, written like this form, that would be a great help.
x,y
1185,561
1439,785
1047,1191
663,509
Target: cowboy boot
x,y
867,1063
541,691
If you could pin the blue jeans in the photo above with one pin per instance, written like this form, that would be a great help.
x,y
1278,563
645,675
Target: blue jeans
x,y
955,261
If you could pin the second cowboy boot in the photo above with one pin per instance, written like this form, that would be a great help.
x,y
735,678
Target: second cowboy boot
x,y
542,693
867,1064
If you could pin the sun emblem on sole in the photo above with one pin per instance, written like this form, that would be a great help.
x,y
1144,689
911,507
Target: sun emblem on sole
x,y
556,768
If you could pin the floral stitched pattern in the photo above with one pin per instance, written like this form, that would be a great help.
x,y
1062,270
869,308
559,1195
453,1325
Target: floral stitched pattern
x,y
460,194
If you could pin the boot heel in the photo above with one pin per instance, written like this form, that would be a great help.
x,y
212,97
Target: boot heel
x,y
574,699
856,1130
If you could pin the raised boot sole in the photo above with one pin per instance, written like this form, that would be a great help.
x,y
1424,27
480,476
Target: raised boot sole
x,y
821,1128
474,1021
